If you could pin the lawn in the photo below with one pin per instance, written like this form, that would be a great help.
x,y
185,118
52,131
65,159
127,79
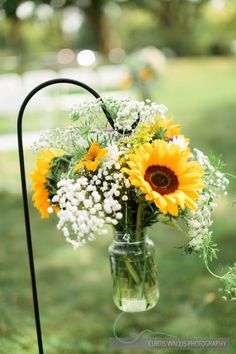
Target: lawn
x,y
75,294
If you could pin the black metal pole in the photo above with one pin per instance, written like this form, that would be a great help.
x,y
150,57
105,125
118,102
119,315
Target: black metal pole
x,y
24,189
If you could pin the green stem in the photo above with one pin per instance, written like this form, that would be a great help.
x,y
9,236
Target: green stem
x,y
143,277
209,270
230,175
126,218
118,283
132,271
70,171
139,221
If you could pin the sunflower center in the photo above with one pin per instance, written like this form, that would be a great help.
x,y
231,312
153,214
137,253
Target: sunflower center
x,y
162,179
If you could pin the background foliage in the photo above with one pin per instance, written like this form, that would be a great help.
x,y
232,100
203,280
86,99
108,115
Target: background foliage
x,y
180,27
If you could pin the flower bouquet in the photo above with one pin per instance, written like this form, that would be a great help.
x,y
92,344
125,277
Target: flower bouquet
x,y
132,175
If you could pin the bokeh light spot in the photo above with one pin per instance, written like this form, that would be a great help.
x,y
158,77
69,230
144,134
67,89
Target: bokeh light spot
x,y
116,55
86,57
65,56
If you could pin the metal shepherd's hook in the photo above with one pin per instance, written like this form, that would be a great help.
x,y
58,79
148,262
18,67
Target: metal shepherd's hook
x,y
24,188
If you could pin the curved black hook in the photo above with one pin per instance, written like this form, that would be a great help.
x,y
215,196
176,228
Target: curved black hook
x,y
61,81
24,188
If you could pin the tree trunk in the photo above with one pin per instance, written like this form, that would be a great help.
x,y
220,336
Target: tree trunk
x,y
16,43
15,35
99,23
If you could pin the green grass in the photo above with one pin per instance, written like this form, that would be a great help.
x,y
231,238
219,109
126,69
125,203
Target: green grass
x,y
75,294
34,121
75,289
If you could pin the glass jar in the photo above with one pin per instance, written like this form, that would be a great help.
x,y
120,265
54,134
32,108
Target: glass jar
x,y
134,272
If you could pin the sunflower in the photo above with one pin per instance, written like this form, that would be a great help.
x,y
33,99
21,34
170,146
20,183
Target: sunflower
x,y
92,159
39,180
166,176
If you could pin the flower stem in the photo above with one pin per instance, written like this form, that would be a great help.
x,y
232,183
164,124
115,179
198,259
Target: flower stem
x,y
119,289
132,271
209,270
139,221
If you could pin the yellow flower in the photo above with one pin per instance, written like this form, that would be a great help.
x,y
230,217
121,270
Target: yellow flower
x,y
92,159
39,179
126,82
161,128
146,74
165,174
171,129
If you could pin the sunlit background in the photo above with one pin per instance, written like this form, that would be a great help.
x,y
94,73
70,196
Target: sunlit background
x,y
178,52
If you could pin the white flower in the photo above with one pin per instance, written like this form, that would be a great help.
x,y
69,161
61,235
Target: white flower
x,y
50,210
119,216
127,183
93,210
198,223
65,231
85,208
98,206
113,153
55,199
96,196
90,188
179,140
62,201
117,166
107,208
196,242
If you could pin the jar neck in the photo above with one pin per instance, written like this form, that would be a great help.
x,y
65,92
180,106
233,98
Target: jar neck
x,y
132,236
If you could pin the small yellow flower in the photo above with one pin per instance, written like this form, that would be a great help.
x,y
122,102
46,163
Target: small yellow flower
x,y
126,82
39,180
145,74
145,132
165,175
92,159
170,129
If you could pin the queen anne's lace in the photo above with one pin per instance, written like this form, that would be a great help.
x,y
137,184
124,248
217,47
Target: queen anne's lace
x,y
198,223
124,112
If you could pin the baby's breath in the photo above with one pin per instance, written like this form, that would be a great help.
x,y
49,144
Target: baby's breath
x,y
88,203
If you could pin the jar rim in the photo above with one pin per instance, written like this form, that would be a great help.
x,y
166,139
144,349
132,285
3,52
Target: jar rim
x,y
128,242
123,238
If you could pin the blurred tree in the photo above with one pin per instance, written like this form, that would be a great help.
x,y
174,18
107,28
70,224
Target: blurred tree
x,y
219,28
93,10
177,20
97,23
15,38
95,14
189,27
